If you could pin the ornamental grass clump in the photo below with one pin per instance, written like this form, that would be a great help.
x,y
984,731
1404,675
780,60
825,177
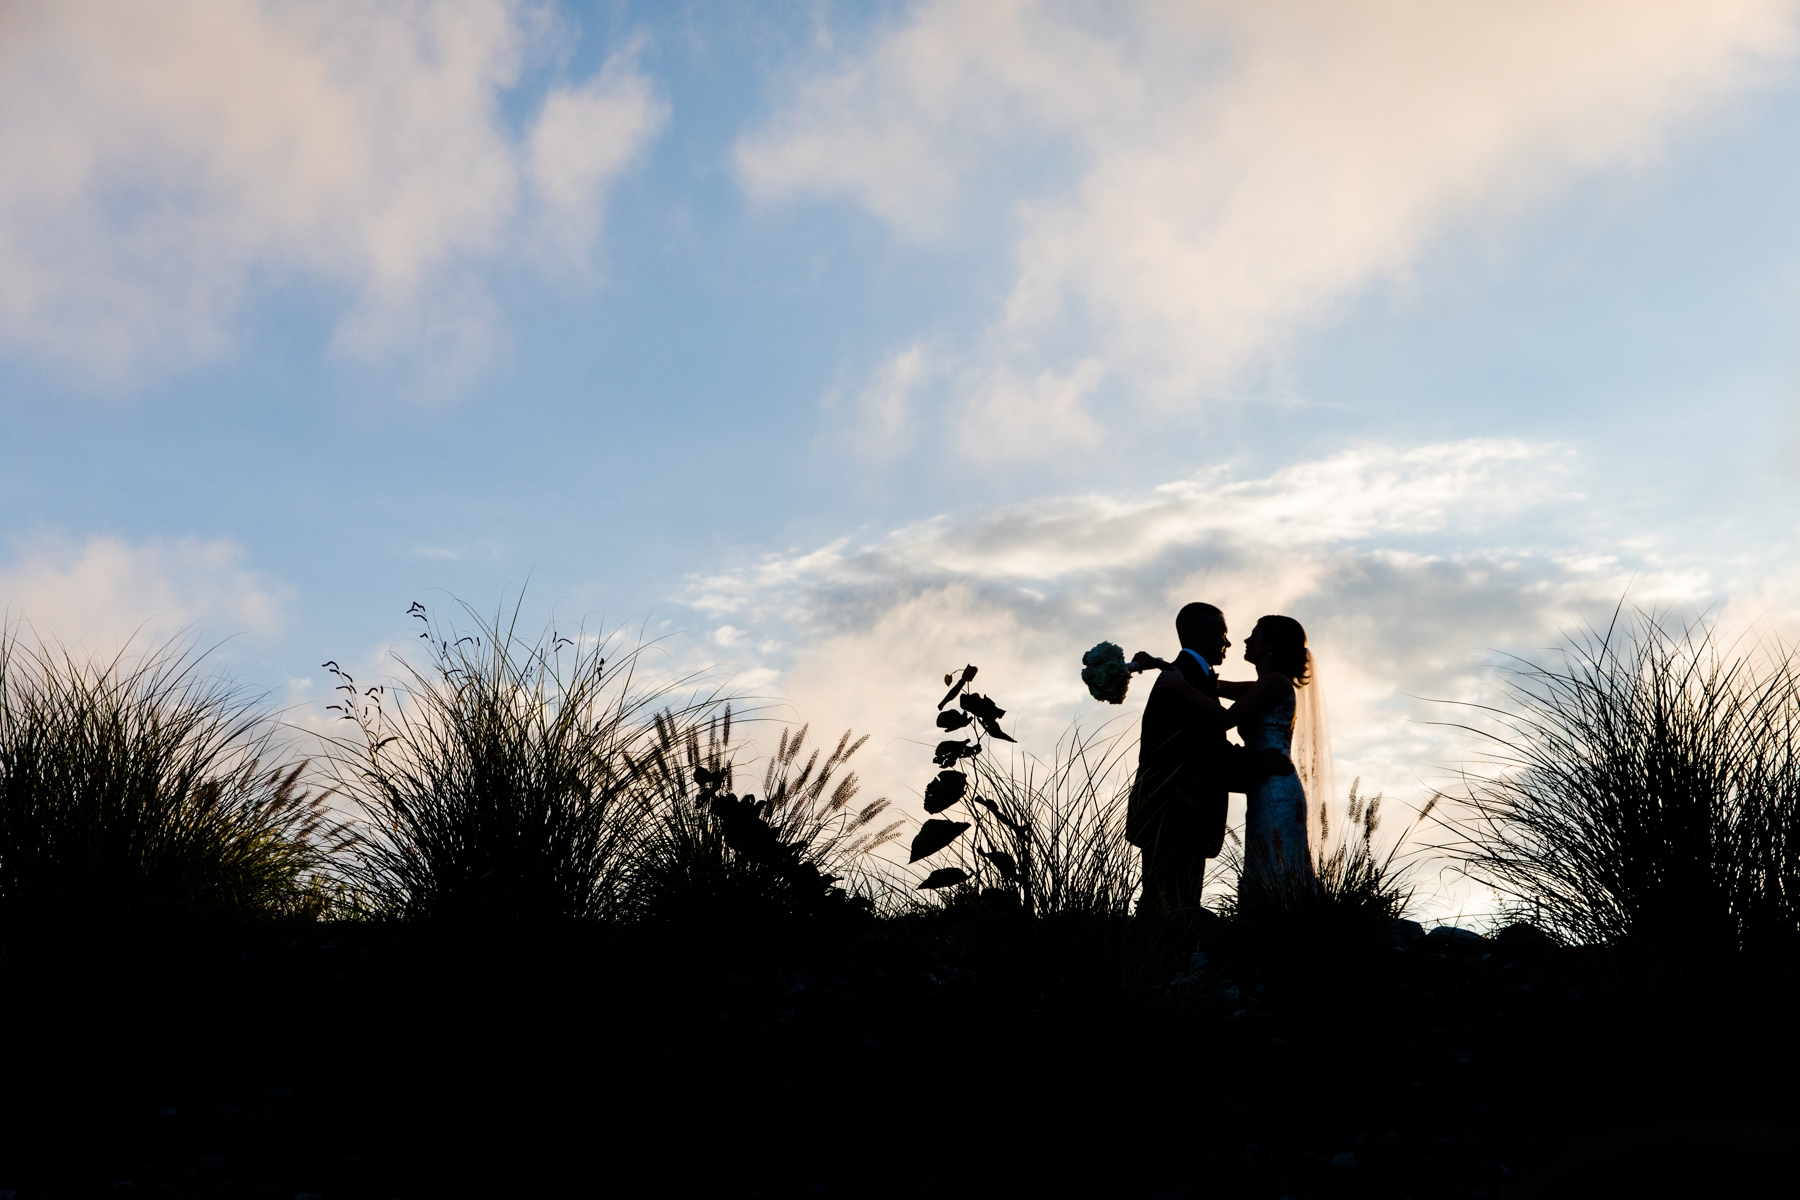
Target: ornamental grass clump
x,y
1059,825
708,853
135,790
1043,838
501,784
1645,789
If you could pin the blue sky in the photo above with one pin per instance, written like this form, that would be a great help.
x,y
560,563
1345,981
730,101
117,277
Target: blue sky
x,y
844,344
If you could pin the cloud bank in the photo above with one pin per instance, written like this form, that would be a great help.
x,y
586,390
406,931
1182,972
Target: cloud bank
x,y
104,592
1190,185
162,160
1409,566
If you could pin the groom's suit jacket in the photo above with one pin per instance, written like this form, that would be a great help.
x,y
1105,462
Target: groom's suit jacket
x,y
1186,767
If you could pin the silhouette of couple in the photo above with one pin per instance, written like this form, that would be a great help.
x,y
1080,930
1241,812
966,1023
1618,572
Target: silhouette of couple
x,y
1187,768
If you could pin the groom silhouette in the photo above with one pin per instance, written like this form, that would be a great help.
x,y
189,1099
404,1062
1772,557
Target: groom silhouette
x,y
1186,767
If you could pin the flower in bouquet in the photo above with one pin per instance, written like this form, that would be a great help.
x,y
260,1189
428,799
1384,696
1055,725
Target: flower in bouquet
x,y
1106,673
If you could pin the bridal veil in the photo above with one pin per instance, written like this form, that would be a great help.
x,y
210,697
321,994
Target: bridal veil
x,y
1312,744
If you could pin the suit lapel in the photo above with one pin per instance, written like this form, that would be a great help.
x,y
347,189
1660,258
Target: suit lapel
x,y
1192,671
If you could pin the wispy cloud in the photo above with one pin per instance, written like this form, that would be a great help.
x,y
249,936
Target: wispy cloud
x,y
1221,175
101,593
161,158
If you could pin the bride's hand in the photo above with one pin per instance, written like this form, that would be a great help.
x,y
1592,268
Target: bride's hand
x,y
1143,660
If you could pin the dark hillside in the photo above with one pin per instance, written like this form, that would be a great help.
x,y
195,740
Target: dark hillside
x,y
559,954
954,1055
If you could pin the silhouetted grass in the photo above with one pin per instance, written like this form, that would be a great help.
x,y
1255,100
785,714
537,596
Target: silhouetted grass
x,y
1052,834
134,788
706,851
1645,789
503,786
522,786
1355,894
531,785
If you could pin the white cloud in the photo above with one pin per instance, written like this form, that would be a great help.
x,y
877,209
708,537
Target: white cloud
x,y
106,591
882,427
1229,172
1409,568
895,128
160,158
584,139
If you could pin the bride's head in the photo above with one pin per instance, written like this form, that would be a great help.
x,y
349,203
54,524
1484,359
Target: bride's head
x,y
1279,642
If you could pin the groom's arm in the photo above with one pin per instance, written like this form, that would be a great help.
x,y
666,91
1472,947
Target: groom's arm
x,y
1195,704
1235,689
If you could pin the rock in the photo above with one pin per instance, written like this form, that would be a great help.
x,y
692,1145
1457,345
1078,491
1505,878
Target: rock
x,y
1346,1159
1451,936
1406,931
1523,938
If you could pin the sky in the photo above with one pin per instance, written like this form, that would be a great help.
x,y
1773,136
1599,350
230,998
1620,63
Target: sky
x,y
836,346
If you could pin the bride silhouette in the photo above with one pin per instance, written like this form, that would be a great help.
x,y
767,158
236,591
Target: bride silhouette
x,y
1277,846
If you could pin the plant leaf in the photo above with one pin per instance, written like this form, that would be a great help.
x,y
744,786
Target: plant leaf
x,y
951,719
1003,862
948,752
968,673
981,706
994,730
1000,816
943,877
945,790
934,835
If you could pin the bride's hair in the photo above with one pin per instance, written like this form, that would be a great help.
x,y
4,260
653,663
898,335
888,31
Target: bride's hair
x,y
1287,647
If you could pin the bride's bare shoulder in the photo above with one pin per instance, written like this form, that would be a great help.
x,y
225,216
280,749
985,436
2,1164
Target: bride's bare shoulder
x,y
1277,685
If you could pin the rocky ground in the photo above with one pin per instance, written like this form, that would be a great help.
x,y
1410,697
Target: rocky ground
x,y
979,1054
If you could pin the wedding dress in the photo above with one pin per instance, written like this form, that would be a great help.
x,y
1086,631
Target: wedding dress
x,y
1276,843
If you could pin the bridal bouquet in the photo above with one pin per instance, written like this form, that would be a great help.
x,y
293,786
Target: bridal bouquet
x,y
1106,673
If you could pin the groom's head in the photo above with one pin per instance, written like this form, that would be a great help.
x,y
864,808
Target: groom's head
x,y
1201,628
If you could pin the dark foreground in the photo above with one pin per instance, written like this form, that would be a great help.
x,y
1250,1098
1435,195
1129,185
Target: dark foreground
x,y
981,1055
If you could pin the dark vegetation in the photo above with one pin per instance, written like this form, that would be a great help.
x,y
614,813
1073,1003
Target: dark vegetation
x,y
557,953
137,791
1646,790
